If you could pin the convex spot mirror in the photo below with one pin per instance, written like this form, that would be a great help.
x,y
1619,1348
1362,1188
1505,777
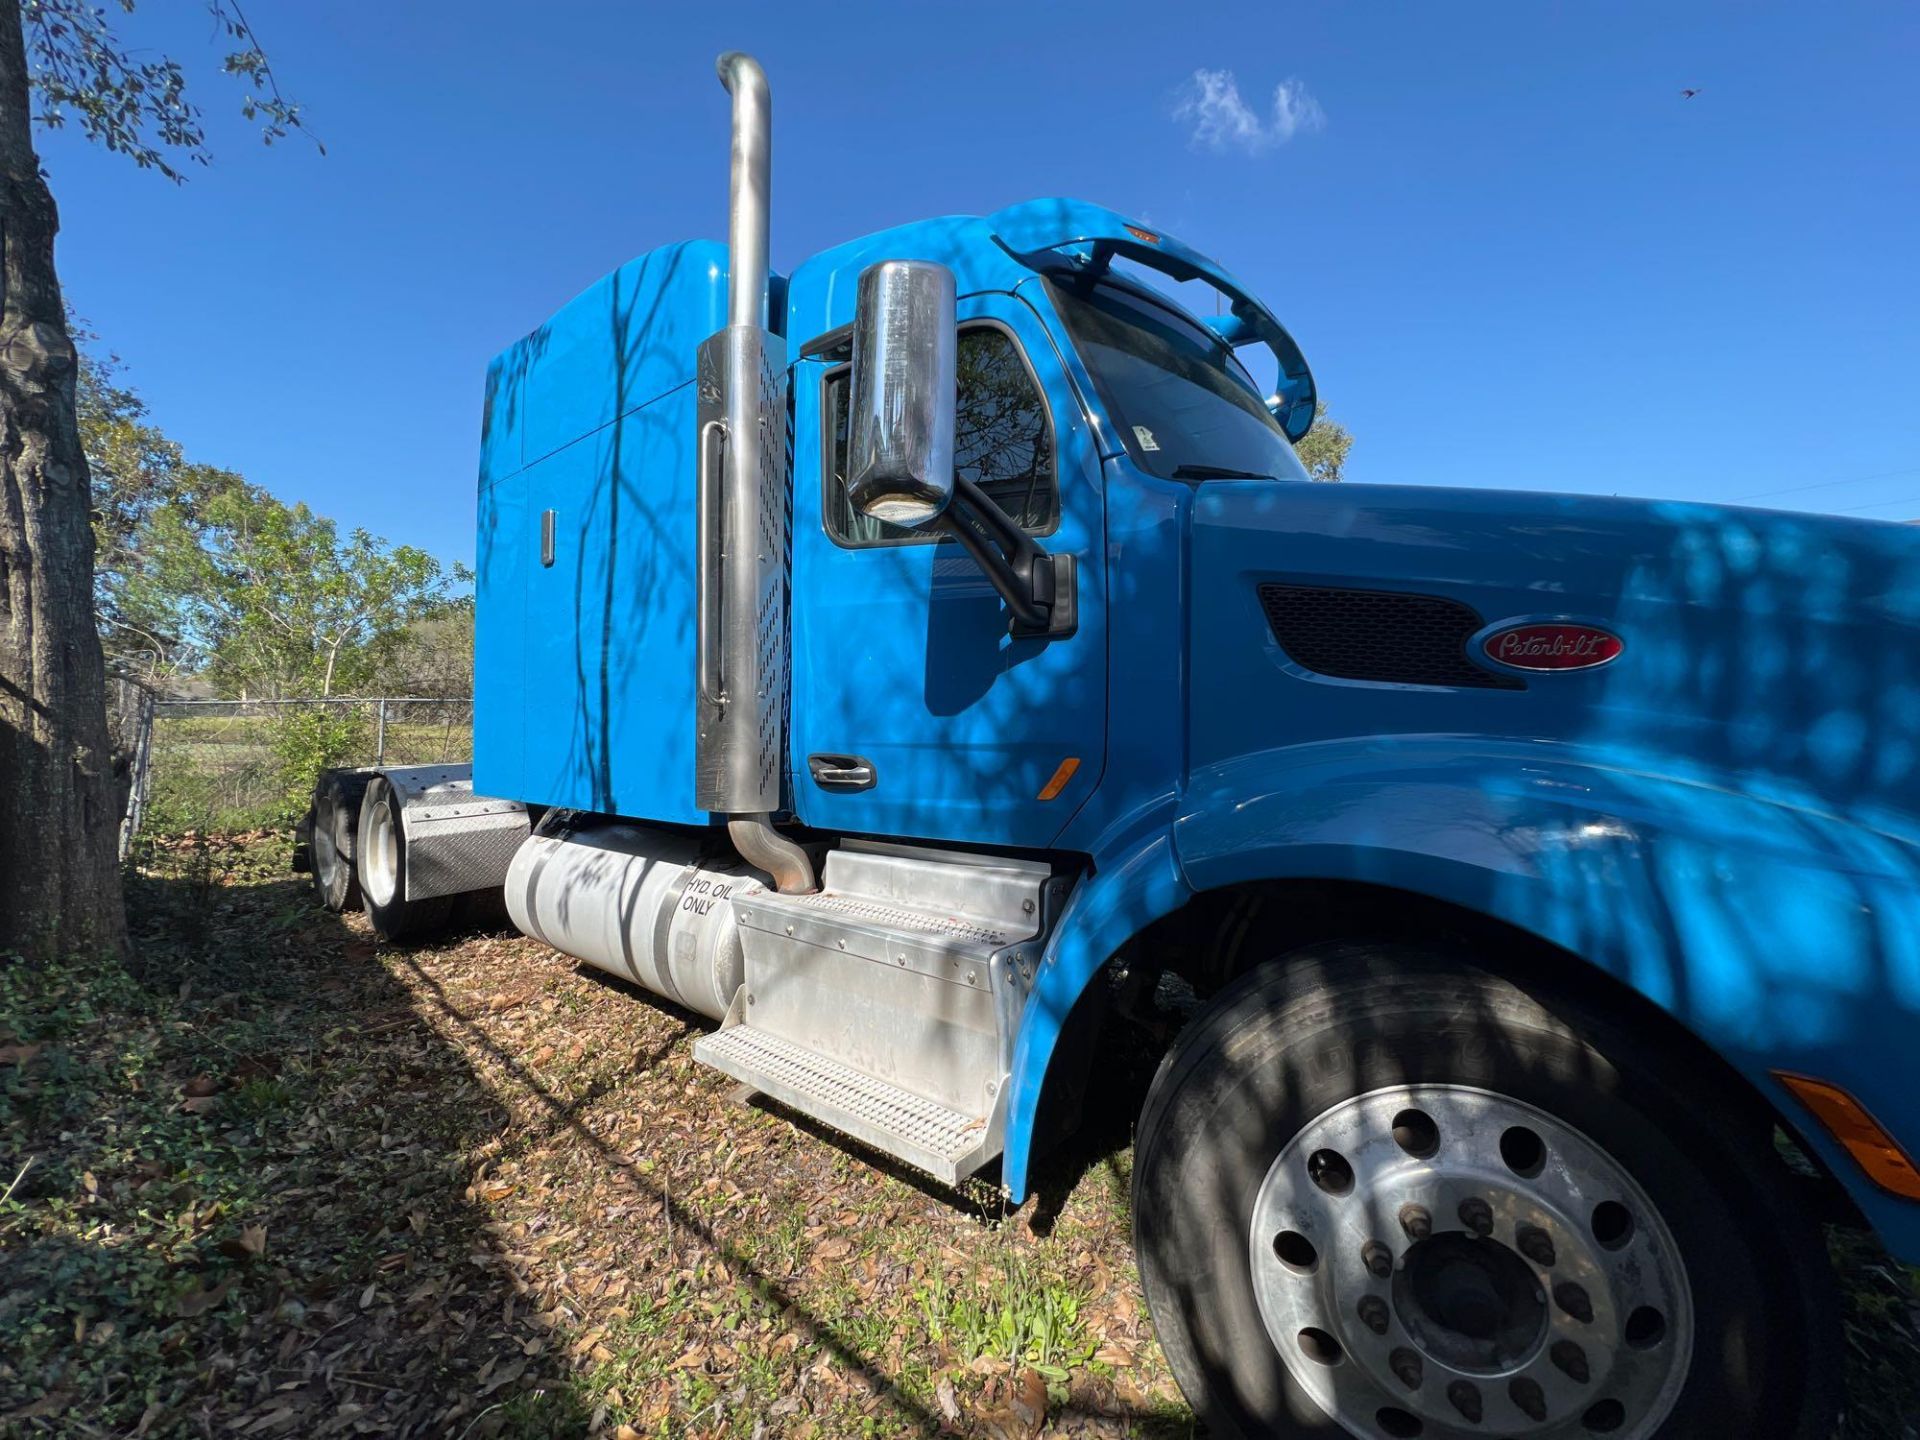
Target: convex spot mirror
x,y
900,461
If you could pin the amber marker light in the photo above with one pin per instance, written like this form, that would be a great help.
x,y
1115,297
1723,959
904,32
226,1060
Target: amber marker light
x,y
1146,235
1862,1136
1060,777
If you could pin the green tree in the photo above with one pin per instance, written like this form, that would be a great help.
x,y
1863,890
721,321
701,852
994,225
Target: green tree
x,y
136,471
281,602
198,571
433,657
1324,451
59,873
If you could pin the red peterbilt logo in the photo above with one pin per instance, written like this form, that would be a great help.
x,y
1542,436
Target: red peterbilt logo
x,y
1553,646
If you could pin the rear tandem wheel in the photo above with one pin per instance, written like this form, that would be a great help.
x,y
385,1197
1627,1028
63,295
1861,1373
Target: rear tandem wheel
x,y
382,864
333,828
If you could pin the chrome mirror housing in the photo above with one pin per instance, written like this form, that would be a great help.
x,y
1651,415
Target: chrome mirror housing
x,y
900,460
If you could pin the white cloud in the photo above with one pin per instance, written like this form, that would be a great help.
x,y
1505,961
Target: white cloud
x,y
1210,102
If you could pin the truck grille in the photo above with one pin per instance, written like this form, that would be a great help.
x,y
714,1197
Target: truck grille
x,y
1379,635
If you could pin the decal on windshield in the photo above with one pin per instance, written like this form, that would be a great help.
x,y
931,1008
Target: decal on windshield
x,y
1145,437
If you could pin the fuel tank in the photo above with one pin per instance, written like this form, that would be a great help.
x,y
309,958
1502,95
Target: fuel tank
x,y
652,906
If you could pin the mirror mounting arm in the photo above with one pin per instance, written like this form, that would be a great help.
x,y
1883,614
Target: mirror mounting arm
x,y
1039,588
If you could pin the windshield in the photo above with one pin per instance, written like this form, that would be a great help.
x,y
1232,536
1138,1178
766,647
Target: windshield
x,y
1185,408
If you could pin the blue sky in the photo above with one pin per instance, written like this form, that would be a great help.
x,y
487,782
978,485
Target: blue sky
x,y
1513,253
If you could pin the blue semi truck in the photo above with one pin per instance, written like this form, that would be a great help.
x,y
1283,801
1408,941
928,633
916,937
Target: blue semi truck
x,y
930,660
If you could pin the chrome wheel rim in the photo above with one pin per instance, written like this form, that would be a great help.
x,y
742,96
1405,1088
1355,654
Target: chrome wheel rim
x,y
380,865
327,852
1443,1262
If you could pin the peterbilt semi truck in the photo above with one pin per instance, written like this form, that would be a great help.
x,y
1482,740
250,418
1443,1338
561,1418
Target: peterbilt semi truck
x,y
926,662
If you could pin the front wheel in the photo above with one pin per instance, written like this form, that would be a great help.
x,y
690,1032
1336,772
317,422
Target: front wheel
x,y
1379,1193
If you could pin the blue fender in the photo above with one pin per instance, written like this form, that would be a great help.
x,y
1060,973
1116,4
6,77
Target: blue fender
x,y
1783,934
1139,883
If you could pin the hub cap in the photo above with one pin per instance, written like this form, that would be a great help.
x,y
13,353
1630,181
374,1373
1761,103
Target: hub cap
x,y
1444,1262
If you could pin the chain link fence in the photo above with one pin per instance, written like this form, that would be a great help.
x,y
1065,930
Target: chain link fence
x,y
248,764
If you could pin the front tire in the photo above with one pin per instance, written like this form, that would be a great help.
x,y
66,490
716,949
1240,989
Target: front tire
x,y
381,860
1380,1193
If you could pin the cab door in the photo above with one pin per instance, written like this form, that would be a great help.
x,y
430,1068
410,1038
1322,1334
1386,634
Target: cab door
x,y
915,715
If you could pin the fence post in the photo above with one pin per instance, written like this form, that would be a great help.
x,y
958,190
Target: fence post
x,y
380,734
141,768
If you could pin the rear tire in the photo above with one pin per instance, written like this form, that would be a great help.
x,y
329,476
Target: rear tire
x,y
382,867
333,827
1400,1075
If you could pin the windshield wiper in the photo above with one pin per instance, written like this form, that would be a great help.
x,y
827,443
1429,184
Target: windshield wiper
x,y
1216,472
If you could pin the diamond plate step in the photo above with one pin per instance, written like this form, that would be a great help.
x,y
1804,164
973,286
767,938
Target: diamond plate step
x,y
947,1144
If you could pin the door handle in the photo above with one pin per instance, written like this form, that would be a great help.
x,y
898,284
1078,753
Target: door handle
x,y
841,772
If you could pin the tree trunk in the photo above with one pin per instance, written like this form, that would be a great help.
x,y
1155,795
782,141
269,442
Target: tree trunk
x,y
59,874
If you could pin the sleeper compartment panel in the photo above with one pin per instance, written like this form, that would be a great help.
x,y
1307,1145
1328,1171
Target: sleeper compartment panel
x,y
584,664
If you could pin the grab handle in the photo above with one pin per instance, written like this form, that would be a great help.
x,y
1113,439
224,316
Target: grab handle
x,y
708,600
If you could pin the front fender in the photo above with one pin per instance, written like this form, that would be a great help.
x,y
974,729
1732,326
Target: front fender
x,y
1784,935
1131,889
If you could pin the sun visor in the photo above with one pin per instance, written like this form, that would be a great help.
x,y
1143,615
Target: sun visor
x,y
1047,234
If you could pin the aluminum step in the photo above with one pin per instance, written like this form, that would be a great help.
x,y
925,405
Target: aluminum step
x,y
947,1144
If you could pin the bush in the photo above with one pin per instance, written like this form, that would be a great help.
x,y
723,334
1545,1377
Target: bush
x,y
306,740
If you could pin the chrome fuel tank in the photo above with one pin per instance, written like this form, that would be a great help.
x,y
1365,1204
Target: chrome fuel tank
x,y
652,906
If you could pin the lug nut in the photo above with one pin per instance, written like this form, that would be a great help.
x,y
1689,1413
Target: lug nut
x,y
1572,1299
1536,1245
1373,1313
1405,1364
1529,1397
1571,1359
1477,1216
1377,1258
1415,1220
1466,1399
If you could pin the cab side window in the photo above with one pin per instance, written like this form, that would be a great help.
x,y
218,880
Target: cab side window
x,y
1002,441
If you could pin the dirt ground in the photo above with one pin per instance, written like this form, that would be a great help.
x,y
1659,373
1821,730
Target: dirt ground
x,y
277,1181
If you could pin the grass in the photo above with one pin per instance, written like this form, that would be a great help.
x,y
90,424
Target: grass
x,y
289,1182
272,1179
1016,1313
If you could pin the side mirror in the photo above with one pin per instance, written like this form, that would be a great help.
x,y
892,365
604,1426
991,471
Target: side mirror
x,y
900,462
1293,405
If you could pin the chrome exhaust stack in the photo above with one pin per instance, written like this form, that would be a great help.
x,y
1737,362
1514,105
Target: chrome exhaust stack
x,y
748,194
745,497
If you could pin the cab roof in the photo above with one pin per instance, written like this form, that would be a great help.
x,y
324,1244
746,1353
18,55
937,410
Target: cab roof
x,y
990,252
998,251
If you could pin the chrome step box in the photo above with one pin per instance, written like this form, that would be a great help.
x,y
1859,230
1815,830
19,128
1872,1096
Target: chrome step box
x,y
887,1005
948,1144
